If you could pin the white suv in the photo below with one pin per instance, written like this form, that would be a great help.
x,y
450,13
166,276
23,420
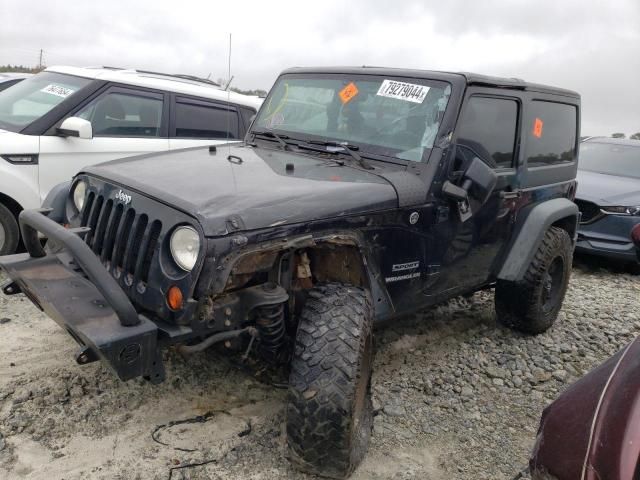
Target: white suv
x,y
54,123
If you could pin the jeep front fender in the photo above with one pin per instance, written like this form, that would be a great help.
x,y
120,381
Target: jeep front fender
x,y
216,273
528,235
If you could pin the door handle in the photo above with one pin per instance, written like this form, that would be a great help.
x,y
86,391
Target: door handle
x,y
510,194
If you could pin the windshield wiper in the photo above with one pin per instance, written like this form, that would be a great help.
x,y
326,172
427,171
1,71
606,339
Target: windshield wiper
x,y
343,147
269,134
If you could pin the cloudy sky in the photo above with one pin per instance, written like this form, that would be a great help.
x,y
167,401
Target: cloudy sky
x,y
592,46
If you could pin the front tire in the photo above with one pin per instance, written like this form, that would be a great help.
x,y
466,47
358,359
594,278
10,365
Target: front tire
x,y
9,231
329,409
532,304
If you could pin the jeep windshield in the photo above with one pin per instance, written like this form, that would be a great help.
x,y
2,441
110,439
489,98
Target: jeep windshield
x,y
382,116
32,98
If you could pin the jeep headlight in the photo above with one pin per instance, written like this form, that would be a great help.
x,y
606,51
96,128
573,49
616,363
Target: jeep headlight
x,y
185,245
79,194
622,210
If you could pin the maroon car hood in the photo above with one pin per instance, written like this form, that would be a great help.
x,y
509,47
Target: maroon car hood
x,y
593,428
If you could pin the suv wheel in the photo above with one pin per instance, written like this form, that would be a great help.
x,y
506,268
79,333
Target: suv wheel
x,y
9,231
329,410
532,305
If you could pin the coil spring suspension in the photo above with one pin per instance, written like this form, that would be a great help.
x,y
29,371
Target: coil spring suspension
x,y
270,325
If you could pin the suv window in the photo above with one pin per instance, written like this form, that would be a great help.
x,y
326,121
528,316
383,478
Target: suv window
x,y
488,130
247,116
124,115
201,120
34,97
551,137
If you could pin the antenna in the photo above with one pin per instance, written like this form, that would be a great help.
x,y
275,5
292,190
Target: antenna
x,y
229,97
231,158
226,87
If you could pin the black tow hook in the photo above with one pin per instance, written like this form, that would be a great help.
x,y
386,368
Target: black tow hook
x,y
11,288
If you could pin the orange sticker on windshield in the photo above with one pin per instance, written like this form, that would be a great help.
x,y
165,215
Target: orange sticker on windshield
x,y
537,128
348,92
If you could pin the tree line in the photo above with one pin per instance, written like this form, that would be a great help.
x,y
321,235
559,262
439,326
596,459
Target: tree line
x,y
635,136
20,69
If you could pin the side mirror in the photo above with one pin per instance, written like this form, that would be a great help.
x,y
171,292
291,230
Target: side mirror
x,y
478,182
482,180
75,127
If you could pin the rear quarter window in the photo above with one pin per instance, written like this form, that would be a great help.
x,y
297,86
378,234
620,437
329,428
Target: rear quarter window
x,y
200,120
551,133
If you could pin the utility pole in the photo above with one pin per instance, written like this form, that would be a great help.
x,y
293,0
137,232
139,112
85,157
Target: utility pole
x,y
40,63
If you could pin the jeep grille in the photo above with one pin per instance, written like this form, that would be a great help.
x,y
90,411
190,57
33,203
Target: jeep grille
x,y
590,211
124,240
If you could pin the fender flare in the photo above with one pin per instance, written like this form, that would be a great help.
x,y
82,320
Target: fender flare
x,y
529,233
56,199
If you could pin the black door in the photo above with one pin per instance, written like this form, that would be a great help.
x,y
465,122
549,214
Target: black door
x,y
464,251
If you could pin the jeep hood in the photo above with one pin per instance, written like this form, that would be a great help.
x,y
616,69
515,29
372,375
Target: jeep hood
x,y
252,185
606,190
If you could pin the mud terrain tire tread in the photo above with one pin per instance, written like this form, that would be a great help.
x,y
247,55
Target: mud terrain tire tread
x,y
11,231
519,304
327,434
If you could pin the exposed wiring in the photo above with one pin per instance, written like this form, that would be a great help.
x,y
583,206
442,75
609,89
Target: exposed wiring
x,y
521,473
197,419
192,465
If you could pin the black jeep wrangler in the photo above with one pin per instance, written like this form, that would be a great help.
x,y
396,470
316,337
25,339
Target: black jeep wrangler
x,y
358,195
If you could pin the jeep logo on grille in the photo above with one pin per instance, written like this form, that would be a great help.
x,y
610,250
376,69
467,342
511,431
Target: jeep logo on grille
x,y
123,197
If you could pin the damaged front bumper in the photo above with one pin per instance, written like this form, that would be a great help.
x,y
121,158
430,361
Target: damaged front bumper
x,y
76,291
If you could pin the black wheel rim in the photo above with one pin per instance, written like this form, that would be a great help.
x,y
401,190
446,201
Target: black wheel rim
x,y
552,284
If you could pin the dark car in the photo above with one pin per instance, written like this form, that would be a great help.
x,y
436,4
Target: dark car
x,y
608,197
592,431
359,194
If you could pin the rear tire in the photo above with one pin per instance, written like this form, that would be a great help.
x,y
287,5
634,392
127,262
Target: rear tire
x,y
532,304
9,231
329,409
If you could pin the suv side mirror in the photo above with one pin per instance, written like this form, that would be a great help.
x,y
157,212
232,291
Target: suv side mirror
x,y
478,182
483,180
75,127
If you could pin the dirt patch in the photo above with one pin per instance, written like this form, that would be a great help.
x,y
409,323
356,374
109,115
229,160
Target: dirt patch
x,y
455,395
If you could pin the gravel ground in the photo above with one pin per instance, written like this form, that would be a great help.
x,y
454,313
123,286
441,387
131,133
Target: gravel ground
x,y
457,396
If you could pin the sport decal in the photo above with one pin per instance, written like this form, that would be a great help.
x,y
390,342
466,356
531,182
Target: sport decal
x,y
398,267
409,92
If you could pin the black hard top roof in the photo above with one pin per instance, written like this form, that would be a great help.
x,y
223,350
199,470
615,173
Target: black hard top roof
x,y
453,77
